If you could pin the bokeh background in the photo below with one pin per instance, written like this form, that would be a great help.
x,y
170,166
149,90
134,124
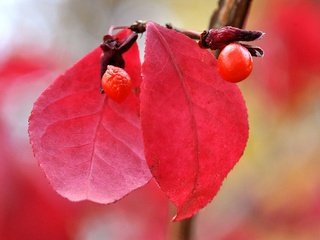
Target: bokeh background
x,y
272,193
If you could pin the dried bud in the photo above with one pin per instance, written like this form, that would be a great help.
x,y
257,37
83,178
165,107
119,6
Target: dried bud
x,y
110,54
113,49
219,38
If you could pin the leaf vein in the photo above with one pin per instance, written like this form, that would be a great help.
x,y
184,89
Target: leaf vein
x,y
190,106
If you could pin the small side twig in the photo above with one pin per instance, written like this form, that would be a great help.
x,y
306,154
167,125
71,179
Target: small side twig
x,y
191,34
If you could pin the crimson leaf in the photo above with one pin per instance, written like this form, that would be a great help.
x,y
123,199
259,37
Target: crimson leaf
x,y
194,124
89,146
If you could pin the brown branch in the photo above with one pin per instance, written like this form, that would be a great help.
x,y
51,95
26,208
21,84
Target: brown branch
x,y
230,13
182,230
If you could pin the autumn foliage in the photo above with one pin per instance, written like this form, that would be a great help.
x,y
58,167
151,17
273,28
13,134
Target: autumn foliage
x,y
187,126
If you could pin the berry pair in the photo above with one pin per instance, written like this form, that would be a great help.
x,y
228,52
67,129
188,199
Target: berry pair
x,y
234,62
234,65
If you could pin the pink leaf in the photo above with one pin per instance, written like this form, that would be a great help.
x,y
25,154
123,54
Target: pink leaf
x,y
194,124
89,146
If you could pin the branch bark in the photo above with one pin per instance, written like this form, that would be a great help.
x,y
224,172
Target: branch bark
x,y
230,13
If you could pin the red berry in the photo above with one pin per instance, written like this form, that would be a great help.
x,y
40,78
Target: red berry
x,y
234,63
116,83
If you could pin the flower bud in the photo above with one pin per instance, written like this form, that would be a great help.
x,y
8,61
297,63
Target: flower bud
x,y
220,37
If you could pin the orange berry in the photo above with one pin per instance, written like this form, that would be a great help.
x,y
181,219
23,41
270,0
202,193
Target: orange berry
x,y
116,83
235,63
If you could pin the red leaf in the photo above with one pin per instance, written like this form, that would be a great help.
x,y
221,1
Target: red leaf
x,y
194,124
88,146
